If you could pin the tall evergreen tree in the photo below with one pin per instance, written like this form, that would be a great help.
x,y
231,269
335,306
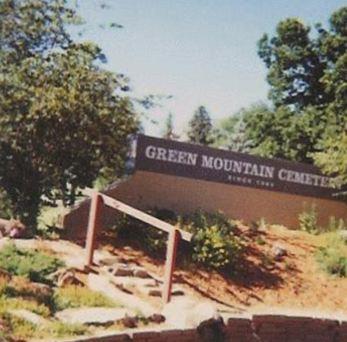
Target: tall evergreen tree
x,y
200,127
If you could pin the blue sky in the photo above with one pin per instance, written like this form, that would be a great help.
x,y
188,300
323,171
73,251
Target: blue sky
x,y
203,52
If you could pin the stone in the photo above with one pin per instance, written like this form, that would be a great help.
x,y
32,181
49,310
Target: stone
x,y
182,313
279,252
68,278
141,273
109,261
93,315
153,292
122,270
130,322
157,318
103,283
29,316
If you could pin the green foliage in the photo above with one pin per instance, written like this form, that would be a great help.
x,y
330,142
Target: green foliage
x,y
214,249
200,127
32,264
308,220
7,304
282,133
214,243
333,257
62,329
333,159
307,76
78,296
16,327
50,85
232,132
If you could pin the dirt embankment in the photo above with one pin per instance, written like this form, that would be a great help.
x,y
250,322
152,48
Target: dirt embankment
x,y
295,284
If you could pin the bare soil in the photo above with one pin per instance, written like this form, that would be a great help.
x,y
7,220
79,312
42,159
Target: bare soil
x,y
295,285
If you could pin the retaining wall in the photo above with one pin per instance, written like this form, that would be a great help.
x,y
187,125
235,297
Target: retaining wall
x,y
263,328
146,190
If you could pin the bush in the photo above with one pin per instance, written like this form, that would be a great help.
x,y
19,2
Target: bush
x,y
333,257
78,296
215,244
215,249
308,220
32,264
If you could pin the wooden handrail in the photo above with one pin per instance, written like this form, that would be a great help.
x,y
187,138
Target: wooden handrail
x,y
174,234
153,221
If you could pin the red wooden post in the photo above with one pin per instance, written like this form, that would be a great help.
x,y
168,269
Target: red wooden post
x,y
173,240
94,217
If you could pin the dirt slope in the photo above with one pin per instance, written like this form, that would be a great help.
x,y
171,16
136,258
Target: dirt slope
x,y
293,285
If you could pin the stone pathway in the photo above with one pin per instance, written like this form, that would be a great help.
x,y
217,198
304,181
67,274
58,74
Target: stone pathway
x,y
94,315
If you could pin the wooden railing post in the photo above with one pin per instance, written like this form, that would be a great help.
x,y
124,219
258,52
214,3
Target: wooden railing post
x,y
173,240
94,220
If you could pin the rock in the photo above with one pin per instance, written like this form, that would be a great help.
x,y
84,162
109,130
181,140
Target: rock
x,y
122,270
141,273
68,278
102,283
182,313
109,261
153,292
157,318
130,322
93,315
29,316
278,252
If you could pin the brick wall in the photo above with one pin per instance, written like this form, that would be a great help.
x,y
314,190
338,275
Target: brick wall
x,y
260,328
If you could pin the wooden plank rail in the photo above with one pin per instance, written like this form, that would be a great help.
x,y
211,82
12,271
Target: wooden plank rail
x,y
174,234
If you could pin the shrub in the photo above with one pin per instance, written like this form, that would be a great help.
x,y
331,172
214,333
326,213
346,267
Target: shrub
x,y
32,264
213,248
333,257
215,244
308,220
77,296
